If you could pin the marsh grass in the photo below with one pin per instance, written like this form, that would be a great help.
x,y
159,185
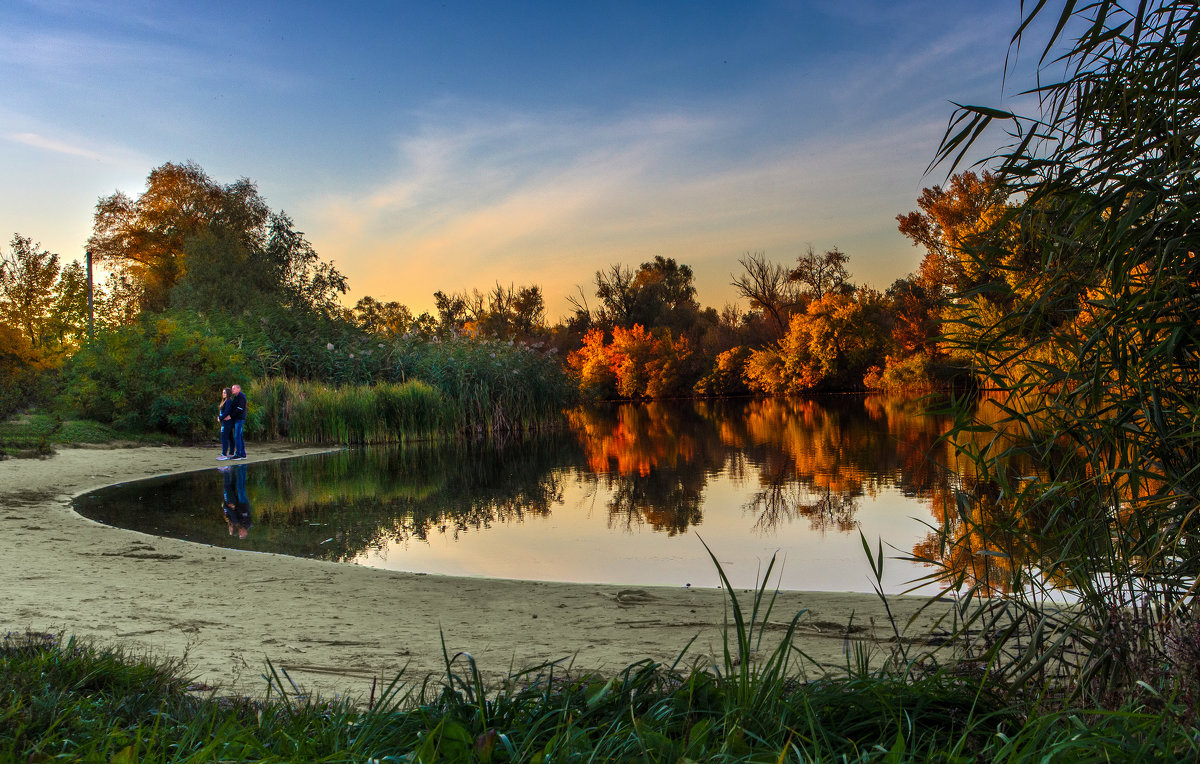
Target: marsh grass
x,y
447,387
310,412
1094,358
491,385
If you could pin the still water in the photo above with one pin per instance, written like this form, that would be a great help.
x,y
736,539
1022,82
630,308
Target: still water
x,y
627,494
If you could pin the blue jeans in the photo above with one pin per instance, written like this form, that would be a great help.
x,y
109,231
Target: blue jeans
x,y
227,438
239,441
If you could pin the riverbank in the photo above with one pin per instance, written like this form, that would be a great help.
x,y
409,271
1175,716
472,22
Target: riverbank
x,y
336,627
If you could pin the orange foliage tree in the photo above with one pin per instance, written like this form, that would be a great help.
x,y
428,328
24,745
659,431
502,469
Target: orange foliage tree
x,y
634,364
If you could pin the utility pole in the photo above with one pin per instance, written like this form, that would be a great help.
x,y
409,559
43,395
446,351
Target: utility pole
x,y
91,306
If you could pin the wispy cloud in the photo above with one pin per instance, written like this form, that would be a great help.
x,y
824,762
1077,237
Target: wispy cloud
x,y
550,198
58,147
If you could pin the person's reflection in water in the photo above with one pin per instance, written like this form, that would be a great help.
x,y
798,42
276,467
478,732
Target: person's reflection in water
x,y
235,505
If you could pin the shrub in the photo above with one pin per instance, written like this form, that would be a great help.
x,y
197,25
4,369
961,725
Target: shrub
x,y
727,376
911,374
154,375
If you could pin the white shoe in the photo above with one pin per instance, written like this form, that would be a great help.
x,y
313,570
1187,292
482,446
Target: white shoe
x,y
222,458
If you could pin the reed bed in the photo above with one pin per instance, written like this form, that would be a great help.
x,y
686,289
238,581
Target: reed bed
x,y
310,412
457,385
491,385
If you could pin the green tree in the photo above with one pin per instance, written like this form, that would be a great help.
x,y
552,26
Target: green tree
x,y
118,302
155,375
68,324
288,266
383,319
660,293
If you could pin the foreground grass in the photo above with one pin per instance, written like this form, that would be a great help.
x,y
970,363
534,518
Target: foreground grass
x,y
67,700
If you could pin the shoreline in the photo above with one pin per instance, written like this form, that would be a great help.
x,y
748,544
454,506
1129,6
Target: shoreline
x,y
337,627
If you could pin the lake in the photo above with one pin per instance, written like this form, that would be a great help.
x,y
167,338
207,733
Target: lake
x,y
625,494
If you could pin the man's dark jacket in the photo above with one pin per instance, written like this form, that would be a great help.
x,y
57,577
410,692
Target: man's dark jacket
x,y
238,410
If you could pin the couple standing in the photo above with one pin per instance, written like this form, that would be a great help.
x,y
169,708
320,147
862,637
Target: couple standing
x,y
232,414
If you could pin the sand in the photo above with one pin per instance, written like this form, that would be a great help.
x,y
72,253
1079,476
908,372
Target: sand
x,y
336,627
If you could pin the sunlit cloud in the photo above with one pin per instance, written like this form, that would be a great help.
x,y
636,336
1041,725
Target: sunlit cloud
x,y
552,199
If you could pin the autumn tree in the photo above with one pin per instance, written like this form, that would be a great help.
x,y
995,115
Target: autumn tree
x,y
831,345
769,288
949,222
636,364
147,236
190,242
819,275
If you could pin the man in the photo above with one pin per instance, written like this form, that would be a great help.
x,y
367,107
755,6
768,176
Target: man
x,y
237,417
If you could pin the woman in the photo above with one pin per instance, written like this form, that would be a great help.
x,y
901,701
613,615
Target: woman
x,y
223,411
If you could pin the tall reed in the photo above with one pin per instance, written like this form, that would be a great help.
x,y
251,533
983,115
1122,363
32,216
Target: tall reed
x,y
490,385
1093,347
445,386
310,412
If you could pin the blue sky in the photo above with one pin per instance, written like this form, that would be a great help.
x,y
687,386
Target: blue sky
x,y
450,145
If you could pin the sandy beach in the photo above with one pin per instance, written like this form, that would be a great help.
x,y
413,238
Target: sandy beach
x,y
336,627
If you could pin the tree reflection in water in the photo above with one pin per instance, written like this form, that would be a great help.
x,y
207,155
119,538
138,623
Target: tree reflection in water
x,y
782,461
654,459
813,459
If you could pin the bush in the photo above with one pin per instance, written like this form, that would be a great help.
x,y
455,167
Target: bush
x,y
911,374
154,375
727,376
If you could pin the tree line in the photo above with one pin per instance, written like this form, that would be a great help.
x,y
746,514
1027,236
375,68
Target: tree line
x,y
206,280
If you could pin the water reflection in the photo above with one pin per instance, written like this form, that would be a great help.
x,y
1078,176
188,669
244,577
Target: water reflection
x,y
235,505
619,496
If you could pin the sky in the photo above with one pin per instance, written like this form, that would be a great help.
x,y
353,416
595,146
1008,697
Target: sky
x,y
425,146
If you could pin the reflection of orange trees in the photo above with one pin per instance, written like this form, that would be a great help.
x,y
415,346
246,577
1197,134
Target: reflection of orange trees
x,y
813,459
825,447
1000,543
634,439
921,461
667,502
819,457
655,458
976,548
